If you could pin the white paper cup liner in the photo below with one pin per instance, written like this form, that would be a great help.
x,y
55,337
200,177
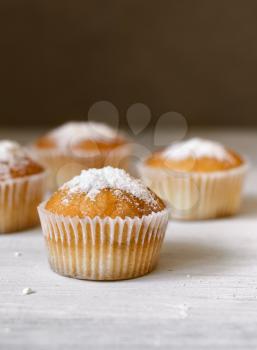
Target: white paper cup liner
x,y
63,166
103,249
195,196
19,199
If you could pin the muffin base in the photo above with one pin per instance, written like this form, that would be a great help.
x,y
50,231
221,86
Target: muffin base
x,y
103,249
197,196
19,199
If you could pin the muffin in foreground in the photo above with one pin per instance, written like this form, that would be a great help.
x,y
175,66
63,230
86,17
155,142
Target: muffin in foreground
x,y
103,225
74,146
200,179
22,187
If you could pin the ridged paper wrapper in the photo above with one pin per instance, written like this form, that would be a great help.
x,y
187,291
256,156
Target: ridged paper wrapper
x,y
103,249
19,199
196,196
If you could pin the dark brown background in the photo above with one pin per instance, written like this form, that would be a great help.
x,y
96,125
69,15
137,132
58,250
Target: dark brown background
x,y
194,57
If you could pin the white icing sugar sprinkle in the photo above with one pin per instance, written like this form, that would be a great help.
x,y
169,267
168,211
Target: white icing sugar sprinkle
x,y
74,132
197,148
10,151
11,155
92,181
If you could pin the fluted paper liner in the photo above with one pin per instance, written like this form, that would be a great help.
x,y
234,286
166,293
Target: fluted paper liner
x,y
19,199
56,160
103,249
195,196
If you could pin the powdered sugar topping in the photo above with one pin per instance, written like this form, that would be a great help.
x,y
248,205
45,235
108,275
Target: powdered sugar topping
x,y
10,151
74,132
93,181
197,148
11,155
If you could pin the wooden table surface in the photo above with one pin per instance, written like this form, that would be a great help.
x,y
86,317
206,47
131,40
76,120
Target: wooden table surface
x,y
203,294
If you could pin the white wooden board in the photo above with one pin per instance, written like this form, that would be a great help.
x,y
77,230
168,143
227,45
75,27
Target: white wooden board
x,y
203,295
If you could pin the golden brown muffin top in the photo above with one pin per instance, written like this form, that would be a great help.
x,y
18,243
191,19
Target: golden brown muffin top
x,y
15,163
107,192
81,136
195,155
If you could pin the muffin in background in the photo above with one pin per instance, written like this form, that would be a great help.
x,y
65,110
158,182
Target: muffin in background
x,y
74,146
103,225
200,179
22,187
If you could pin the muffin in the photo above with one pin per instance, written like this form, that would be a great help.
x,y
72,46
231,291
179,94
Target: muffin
x,y
22,186
200,179
103,225
74,146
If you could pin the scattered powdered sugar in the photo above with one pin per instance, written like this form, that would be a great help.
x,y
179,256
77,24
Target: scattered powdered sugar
x,y
65,201
74,132
10,151
197,148
11,155
92,181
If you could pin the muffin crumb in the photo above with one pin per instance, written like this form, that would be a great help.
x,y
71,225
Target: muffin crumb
x,y
17,254
27,291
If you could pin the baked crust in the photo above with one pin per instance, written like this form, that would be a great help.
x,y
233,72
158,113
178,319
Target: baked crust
x,y
108,203
46,142
204,164
22,168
